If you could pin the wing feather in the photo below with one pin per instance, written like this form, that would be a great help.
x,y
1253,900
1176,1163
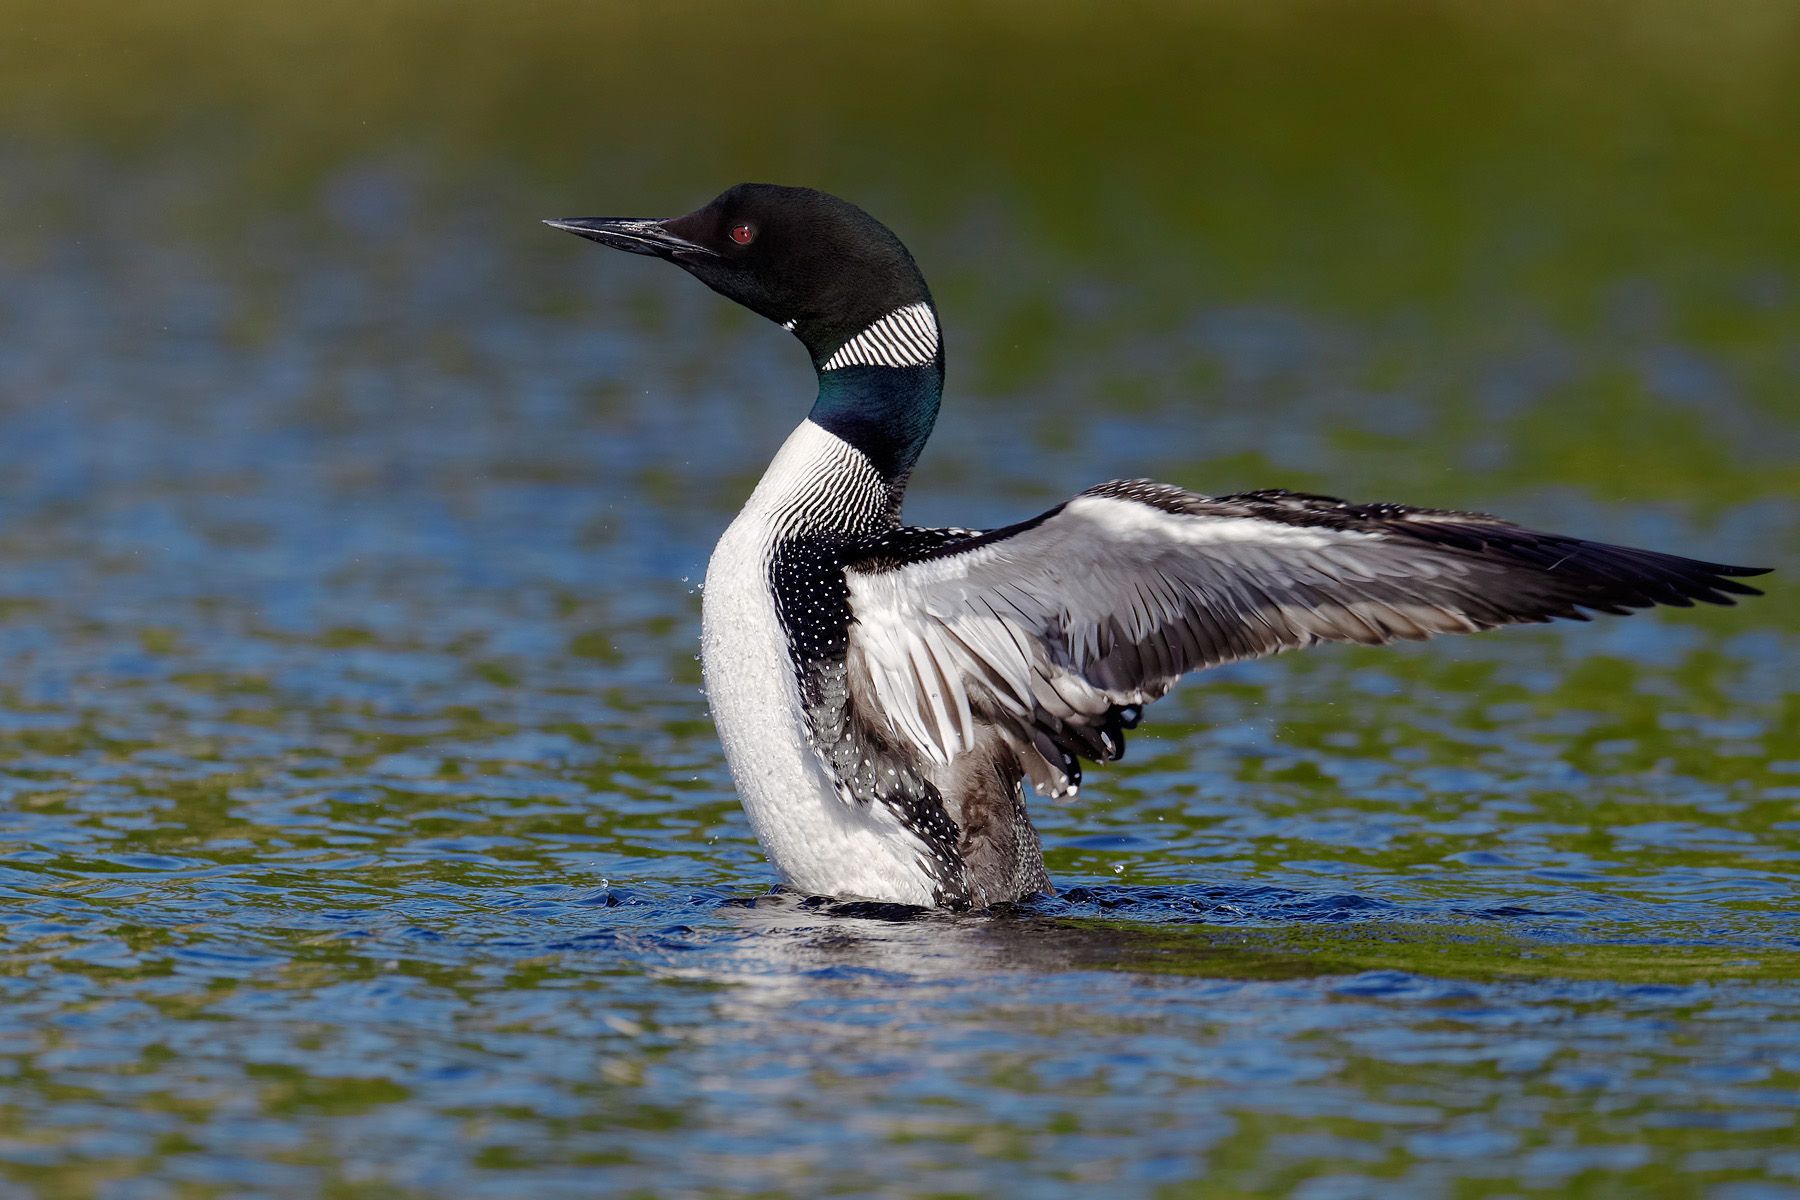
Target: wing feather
x,y
1055,629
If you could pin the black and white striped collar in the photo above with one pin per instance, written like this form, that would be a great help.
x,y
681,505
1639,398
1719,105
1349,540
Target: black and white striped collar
x,y
906,337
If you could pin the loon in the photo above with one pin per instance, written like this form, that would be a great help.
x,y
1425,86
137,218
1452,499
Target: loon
x,y
883,692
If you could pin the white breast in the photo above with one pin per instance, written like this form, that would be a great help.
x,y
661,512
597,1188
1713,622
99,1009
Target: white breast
x,y
819,841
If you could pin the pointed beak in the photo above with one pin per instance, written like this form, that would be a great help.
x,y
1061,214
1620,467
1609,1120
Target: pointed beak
x,y
634,235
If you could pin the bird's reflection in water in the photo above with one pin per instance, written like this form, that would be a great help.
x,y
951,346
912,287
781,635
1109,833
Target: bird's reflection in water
x,y
1191,932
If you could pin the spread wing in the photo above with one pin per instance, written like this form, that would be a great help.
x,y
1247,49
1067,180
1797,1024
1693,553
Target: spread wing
x,y
1059,629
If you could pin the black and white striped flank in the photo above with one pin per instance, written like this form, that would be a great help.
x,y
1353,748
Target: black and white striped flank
x,y
906,337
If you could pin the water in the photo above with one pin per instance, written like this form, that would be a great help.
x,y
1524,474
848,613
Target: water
x,y
364,834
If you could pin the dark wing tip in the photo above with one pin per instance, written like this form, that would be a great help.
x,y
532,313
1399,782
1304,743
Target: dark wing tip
x,y
1546,572
1659,578
1724,584
1713,578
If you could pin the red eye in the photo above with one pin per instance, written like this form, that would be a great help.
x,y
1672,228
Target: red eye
x,y
743,235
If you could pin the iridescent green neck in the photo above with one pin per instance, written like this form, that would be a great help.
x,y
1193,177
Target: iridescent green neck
x,y
886,412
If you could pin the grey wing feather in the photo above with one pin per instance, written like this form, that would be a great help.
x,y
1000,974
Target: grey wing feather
x,y
1060,628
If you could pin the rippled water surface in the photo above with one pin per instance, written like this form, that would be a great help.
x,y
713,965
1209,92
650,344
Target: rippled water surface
x,y
363,833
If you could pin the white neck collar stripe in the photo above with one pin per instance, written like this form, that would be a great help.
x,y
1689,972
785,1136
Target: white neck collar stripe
x,y
906,337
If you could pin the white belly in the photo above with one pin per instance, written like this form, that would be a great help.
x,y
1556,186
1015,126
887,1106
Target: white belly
x,y
819,841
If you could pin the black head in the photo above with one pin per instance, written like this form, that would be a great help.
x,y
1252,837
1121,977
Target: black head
x,y
804,259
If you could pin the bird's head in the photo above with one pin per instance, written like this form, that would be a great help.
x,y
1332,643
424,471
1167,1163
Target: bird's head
x,y
812,263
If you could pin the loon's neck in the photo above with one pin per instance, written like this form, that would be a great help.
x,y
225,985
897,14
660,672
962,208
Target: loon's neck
x,y
879,390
